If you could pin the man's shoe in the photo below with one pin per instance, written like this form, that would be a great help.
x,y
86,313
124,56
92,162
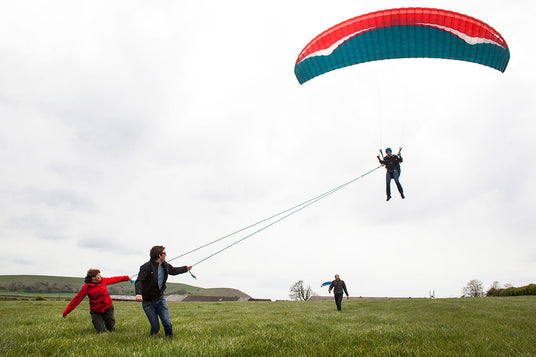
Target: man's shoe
x,y
388,198
402,195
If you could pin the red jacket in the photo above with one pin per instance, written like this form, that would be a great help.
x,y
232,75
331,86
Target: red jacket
x,y
99,299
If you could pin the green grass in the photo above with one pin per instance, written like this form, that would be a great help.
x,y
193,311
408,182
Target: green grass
x,y
442,327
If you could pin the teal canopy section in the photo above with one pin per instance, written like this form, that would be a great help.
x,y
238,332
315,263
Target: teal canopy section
x,y
402,42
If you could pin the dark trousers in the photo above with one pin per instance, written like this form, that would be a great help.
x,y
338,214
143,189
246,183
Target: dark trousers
x,y
156,309
106,318
392,175
338,301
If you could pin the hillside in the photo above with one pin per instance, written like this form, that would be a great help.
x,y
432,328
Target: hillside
x,y
69,285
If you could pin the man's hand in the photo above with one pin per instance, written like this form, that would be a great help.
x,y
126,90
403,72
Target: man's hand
x,y
347,298
189,267
139,298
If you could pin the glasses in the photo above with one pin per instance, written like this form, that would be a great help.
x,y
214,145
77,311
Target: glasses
x,y
163,253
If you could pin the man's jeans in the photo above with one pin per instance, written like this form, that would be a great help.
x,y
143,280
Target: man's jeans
x,y
154,309
392,175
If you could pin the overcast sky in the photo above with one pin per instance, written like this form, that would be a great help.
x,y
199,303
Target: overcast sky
x,y
128,124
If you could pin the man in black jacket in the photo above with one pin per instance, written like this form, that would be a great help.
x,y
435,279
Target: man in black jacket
x,y
150,286
392,165
338,287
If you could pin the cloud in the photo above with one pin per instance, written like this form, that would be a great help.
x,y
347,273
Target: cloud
x,y
63,199
38,225
178,123
30,222
105,244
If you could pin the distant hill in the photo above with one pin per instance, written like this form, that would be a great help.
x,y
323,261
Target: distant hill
x,y
69,285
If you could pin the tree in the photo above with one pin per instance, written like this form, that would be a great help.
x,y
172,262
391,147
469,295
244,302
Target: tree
x,y
299,292
494,289
474,288
496,285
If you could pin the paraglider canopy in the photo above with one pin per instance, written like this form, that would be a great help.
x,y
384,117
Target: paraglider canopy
x,y
402,33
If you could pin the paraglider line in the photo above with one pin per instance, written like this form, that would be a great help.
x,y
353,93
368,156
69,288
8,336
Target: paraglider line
x,y
292,210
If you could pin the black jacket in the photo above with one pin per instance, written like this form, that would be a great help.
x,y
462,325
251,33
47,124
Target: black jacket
x,y
147,281
392,162
338,287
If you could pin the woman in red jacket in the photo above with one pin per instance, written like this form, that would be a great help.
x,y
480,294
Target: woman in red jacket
x,y
100,302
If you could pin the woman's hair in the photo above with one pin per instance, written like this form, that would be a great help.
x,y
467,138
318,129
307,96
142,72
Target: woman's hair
x,y
91,273
156,251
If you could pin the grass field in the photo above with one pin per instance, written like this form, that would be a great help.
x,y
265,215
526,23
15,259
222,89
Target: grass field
x,y
442,327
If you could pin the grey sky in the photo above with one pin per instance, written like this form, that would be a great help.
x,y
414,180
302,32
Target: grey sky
x,y
128,124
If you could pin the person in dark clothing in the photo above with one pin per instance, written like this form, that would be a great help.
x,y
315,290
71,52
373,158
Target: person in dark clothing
x,y
392,165
338,287
150,286
101,307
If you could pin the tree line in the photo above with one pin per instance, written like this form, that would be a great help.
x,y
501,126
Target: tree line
x,y
475,288
56,288
38,287
512,291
